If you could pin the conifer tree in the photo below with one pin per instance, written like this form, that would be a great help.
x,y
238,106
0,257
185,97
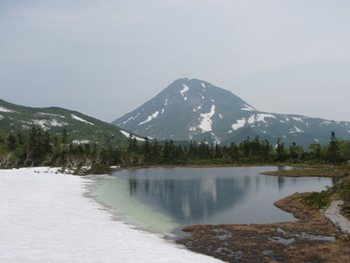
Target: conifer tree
x,y
333,155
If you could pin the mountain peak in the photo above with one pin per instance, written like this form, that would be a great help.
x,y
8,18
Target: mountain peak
x,y
193,109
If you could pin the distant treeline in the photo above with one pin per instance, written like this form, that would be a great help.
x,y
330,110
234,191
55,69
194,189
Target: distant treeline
x,y
41,148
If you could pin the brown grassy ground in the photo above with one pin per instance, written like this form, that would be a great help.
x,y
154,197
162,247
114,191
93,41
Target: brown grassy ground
x,y
336,172
310,239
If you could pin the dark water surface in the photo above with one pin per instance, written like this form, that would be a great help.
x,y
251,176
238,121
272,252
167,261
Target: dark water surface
x,y
164,200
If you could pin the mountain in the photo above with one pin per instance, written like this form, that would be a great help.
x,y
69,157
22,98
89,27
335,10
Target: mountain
x,y
81,128
191,109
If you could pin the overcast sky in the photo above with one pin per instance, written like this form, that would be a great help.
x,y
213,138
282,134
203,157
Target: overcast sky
x,y
105,58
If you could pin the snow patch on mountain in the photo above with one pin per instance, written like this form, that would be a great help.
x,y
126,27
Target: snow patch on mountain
x,y
3,109
192,128
198,108
149,118
206,121
131,118
50,114
184,90
220,115
128,135
47,124
163,110
81,119
326,123
200,94
260,117
166,102
203,85
80,141
239,124
298,119
248,108
296,130
216,139
1,117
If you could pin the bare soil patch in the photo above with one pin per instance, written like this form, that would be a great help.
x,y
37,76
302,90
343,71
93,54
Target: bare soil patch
x,y
310,239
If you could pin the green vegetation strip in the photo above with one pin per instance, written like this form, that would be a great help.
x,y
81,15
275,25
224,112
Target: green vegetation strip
x,y
339,172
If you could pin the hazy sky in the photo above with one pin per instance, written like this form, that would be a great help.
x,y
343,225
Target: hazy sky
x,y
104,58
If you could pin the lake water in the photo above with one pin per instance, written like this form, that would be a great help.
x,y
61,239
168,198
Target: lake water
x,y
164,200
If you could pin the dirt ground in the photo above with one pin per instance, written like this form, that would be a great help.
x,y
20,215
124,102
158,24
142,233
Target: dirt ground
x,y
310,239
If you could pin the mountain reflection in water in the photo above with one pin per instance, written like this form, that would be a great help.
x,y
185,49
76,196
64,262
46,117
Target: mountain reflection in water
x,y
190,196
187,199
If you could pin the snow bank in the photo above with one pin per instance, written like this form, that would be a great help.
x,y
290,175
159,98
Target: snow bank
x,y
45,218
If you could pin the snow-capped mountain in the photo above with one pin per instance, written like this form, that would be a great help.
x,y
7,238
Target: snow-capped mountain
x,y
81,128
191,109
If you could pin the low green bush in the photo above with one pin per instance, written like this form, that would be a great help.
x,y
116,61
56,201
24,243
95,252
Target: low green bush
x,y
318,200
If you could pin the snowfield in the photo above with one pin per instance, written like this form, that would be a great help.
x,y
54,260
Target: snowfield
x,y
46,217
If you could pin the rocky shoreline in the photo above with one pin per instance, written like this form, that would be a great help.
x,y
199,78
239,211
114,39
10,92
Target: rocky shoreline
x,y
310,239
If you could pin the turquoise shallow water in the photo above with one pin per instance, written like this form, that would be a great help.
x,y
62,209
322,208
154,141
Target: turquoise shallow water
x,y
163,200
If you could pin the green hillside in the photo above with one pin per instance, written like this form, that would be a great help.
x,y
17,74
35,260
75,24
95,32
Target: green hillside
x,y
81,128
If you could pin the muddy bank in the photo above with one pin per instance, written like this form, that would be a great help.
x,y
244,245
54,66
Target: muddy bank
x,y
310,239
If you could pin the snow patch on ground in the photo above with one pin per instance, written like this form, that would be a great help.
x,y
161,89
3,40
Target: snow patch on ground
x,y
127,134
149,118
317,140
184,90
1,117
239,124
248,108
200,94
81,119
46,217
80,141
220,115
3,109
166,102
163,110
326,123
206,121
203,85
47,124
131,118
